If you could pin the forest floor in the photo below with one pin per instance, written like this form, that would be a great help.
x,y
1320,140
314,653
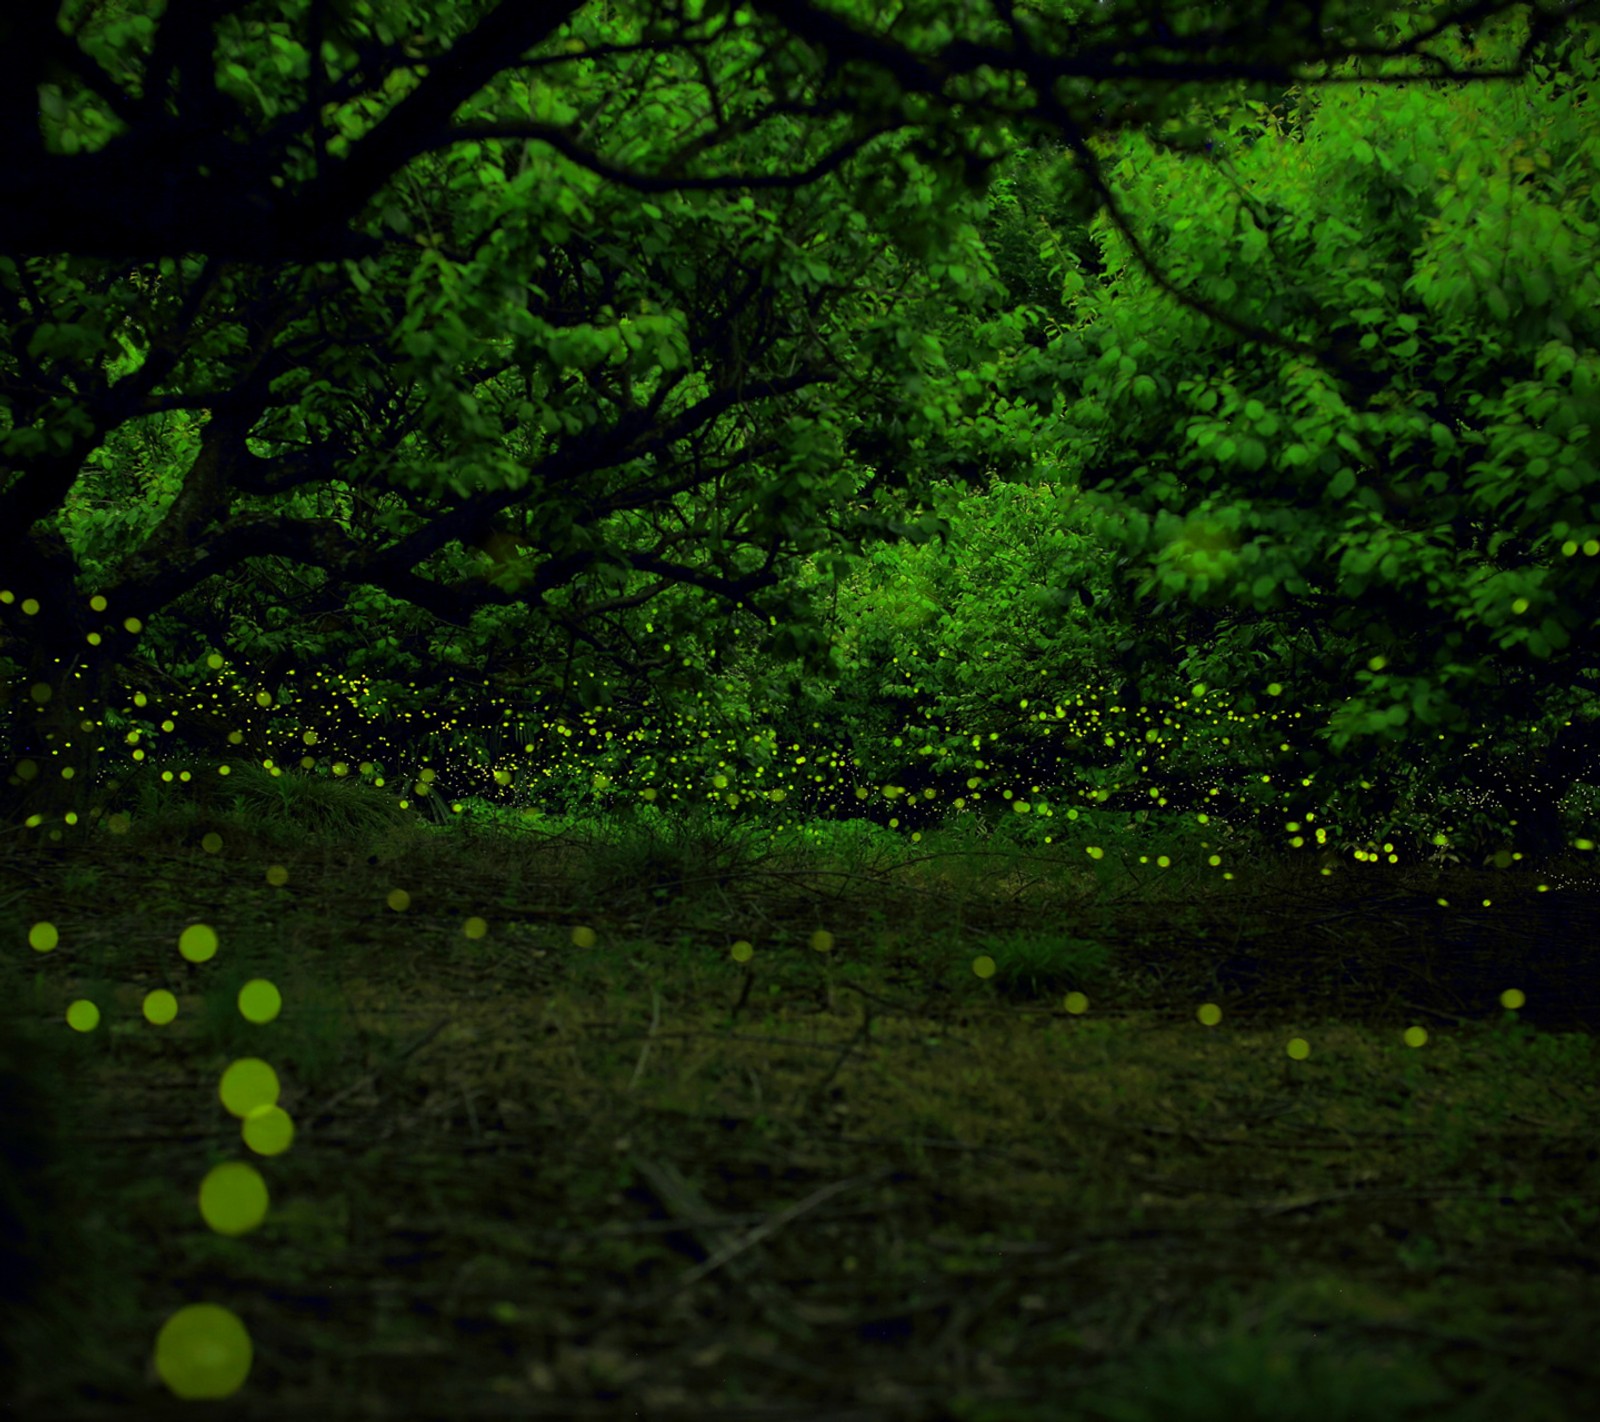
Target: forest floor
x,y
746,1130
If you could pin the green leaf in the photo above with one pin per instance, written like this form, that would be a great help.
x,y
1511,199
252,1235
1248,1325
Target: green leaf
x,y
1555,633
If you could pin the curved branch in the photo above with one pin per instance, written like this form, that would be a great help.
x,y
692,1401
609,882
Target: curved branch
x,y
1090,167
563,143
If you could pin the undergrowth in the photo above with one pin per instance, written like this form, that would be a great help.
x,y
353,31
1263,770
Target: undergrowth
x,y
1136,1124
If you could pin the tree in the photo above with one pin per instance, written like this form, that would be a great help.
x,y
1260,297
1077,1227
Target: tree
x,y
1333,388
549,401
523,319
1424,497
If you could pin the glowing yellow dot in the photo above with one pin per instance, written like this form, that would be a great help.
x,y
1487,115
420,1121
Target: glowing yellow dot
x,y
1075,1003
246,1084
822,941
583,936
475,927
233,1198
1299,1049
268,1130
277,875
983,966
1511,999
83,1016
160,1007
742,951
399,900
42,937
203,1353
198,943
1416,1036
1208,1014
259,1001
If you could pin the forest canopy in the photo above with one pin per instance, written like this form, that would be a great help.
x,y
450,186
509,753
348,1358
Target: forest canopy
x,y
633,354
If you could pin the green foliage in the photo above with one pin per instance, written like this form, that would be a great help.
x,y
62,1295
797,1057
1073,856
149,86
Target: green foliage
x,y
661,857
628,434
252,803
1036,965
1419,486
566,392
536,404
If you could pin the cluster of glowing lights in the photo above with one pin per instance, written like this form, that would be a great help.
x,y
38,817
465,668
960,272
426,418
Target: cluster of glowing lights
x,y
203,1351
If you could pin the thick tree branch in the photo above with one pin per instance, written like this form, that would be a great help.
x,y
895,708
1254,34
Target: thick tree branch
x,y
564,144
